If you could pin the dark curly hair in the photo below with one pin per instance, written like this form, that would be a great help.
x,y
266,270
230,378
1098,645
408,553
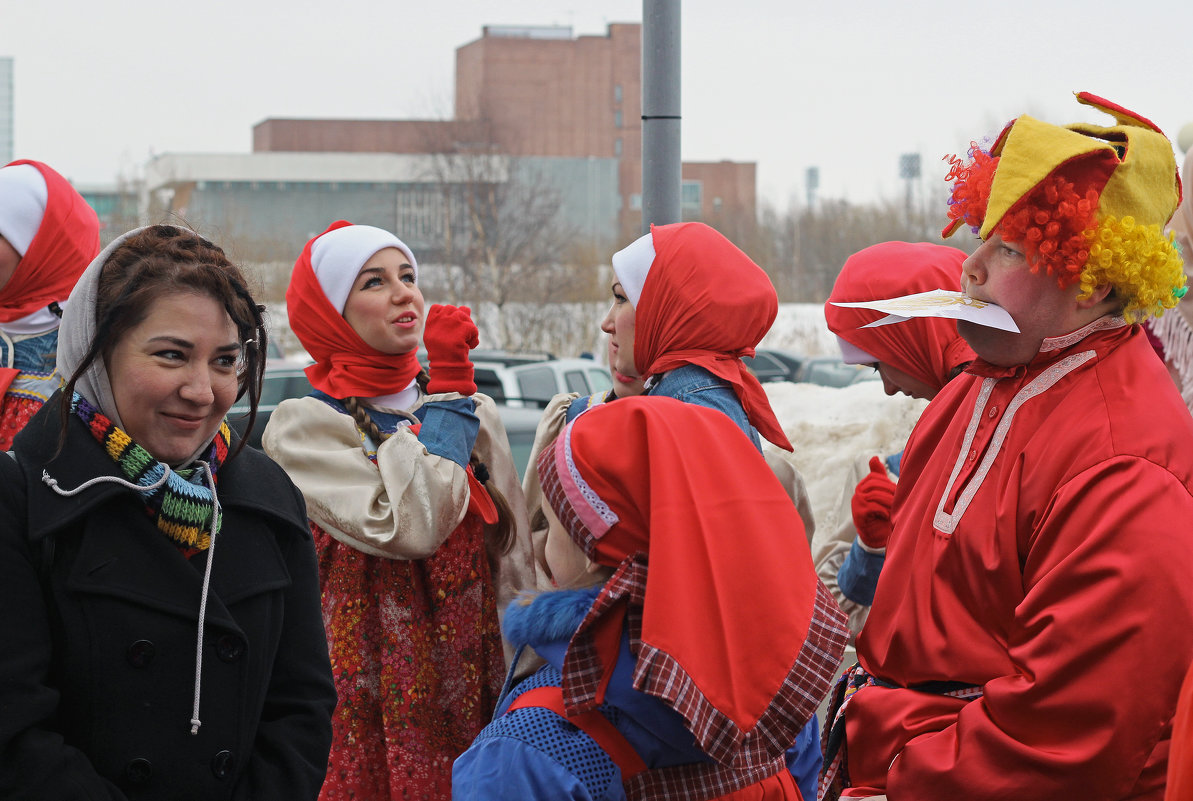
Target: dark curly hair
x,y
162,260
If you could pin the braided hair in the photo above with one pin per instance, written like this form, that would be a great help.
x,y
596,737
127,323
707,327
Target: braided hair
x,y
502,538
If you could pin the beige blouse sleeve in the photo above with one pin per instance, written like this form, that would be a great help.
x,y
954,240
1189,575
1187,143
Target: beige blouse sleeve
x,y
785,470
402,507
830,548
552,422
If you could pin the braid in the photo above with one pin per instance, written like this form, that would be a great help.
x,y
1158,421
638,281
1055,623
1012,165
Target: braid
x,y
501,539
363,421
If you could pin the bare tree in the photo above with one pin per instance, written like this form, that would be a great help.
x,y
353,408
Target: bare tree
x,y
503,237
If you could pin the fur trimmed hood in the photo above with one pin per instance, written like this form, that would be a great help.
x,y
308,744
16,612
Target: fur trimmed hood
x,y
549,617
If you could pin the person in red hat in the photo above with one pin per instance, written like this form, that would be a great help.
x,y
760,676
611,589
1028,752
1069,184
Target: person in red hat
x,y
690,639
1034,618
916,358
48,236
417,512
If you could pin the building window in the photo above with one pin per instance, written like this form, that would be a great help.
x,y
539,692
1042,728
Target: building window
x,y
617,119
691,195
636,201
617,146
617,93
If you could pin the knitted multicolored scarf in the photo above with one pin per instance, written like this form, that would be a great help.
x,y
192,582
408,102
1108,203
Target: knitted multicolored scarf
x,y
183,506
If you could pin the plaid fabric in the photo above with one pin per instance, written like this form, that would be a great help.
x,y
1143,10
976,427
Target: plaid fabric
x,y
658,674
697,782
183,507
834,777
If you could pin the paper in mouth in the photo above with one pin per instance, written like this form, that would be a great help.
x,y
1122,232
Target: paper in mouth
x,y
938,303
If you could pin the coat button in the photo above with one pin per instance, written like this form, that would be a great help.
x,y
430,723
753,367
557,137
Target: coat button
x,y
229,648
138,771
141,653
222,764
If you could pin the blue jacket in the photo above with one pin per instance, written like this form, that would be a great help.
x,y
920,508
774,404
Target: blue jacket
x,y
533,753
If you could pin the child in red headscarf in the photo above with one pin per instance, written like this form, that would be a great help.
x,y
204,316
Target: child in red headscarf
x,y
688,304
48,236
417,513
916,358
691,640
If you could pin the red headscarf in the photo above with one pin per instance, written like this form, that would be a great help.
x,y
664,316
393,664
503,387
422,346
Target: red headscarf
x,y
66,242
729,624
926,348
344,365
705,302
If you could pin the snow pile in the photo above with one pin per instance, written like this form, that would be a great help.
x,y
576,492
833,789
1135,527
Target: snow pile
x,y
831,427
800,327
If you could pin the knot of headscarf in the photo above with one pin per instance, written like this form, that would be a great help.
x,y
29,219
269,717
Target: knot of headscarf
x,y
705,302
345,366
182,506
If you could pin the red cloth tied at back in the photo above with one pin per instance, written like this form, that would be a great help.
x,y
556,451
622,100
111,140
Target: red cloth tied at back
x,y
705,302
713,574
926,348
344,365
66,242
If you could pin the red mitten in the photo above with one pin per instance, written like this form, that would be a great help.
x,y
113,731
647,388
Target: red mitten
x,y
448,336
871,506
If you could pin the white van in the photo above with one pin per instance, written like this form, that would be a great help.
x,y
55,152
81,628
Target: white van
x,y
534,384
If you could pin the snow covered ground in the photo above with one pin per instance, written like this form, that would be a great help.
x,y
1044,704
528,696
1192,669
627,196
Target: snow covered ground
x,y
830,427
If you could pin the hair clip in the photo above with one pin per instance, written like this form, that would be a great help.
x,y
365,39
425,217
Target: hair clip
x,y
1180,291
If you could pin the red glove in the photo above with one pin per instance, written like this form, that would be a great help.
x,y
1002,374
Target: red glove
x,y
871,506
448,336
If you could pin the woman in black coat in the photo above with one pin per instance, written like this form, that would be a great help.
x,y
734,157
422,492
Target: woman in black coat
x,y
161,636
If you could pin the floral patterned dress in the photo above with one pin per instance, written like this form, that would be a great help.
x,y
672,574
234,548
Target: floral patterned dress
x,y
417,659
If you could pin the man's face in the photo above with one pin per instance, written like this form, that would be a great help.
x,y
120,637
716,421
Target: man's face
x,y
998,272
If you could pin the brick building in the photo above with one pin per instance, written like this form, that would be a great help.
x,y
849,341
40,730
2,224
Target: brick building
x,y
539,92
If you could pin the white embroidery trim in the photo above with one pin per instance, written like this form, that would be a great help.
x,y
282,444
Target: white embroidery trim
x,y
1069,340
946,523
587,494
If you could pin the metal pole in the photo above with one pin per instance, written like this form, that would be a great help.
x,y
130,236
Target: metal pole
x,y
661,165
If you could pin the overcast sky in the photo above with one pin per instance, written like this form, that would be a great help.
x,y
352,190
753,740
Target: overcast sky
x,y
845,87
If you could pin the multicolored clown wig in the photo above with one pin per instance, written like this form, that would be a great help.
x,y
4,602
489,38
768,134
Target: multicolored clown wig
x,y
1087,203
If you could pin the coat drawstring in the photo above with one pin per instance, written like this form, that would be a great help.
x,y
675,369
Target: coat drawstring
x,y
52,483
215,526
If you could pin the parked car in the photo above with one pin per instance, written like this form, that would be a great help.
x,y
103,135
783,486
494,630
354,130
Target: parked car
x,y
830,371
534,384
283,379
769,364
520,423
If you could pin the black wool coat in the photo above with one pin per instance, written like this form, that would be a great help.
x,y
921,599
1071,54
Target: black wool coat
x,y
98,639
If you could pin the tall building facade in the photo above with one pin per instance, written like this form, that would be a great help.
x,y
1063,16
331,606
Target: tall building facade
x,y
542,93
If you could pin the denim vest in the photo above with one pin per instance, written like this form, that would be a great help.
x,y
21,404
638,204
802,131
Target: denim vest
x,y
35,357
693,384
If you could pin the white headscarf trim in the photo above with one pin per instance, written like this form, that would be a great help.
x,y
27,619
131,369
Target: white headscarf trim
x,y
338,256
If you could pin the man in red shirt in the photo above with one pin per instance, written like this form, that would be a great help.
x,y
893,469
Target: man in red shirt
x,y
1034,618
